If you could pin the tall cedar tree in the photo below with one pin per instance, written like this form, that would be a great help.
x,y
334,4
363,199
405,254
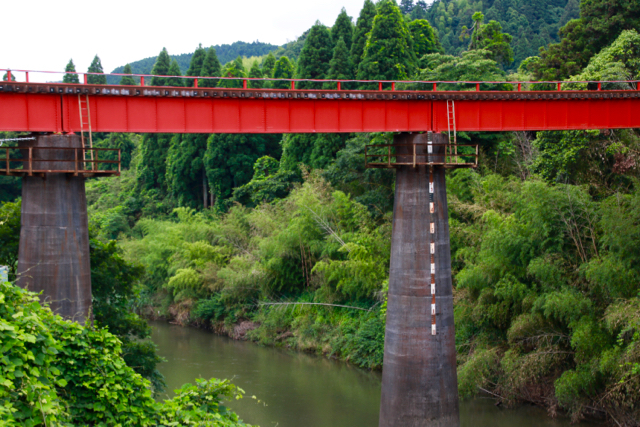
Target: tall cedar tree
x,y
600,23
389,53
406,6
96,67
161,68
256,73
283,70
268,64
419,10
210,68
70,78
363,26
186,176
341,67
315,56
174,70
425,39
153,161
195,66
127,80
342,28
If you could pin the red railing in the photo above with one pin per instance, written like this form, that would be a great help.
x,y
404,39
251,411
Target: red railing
x,y
340,84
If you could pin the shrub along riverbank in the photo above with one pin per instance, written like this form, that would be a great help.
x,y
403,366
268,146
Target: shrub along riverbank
x,y
58,373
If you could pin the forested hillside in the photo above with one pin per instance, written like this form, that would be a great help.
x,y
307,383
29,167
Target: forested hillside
x,y
226,53
531,23
215,229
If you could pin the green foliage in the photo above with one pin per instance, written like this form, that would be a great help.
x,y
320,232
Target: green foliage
x,y
473,65
186,173
113,291
316,151
161,68
600,23
96,67
268,64
532,23
541,281
342,29
56,372
10,235
152,170
127,80
340,67
255,72
388,53
122,141
210,67
361,31
269,183
174,71
232,69
490,37
70,78
282,70
195,65
229,161
619,61
425,39
315,57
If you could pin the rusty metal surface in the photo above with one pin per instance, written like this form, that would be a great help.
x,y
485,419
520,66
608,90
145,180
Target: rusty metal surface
x,y
42,160
454,157
54,239
49,107
419,380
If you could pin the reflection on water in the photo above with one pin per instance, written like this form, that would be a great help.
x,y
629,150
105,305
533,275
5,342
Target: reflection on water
x,y
300,389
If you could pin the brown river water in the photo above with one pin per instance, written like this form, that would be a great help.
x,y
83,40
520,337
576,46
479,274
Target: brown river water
x,y
302,390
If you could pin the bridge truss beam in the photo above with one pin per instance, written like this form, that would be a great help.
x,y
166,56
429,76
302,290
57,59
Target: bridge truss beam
x,y
50,108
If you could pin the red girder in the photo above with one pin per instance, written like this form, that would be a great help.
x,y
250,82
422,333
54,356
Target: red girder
x,y
27,108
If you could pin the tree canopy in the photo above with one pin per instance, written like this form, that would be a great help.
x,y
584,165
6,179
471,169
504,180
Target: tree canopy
x,y
343,28
195,65
161,68
127,80
70,78
363,26
315,56
283,69
96,67
210,68
389,53
425,39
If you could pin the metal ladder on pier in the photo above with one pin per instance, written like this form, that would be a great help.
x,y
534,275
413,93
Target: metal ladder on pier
x,y
85,121
451,123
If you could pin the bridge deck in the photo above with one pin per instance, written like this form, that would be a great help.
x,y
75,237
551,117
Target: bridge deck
x,y
45,107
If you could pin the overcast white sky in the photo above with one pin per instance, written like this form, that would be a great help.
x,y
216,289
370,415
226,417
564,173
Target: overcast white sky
x,y
44,34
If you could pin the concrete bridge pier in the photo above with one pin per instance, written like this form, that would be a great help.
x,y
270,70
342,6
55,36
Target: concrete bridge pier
x,y
419,380
54,238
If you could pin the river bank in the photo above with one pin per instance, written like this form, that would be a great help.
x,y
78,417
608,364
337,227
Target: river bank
x,y
303,389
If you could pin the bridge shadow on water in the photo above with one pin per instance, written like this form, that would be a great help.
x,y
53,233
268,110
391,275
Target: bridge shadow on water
x,y
301,390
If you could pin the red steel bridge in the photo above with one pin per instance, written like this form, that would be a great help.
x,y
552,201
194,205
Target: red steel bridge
x,y
419,382
391,107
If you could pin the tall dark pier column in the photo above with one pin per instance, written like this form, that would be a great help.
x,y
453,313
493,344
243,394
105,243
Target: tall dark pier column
x,y
54,238
419,380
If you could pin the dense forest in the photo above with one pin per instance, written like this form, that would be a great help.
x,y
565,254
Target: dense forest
x,y
214,230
